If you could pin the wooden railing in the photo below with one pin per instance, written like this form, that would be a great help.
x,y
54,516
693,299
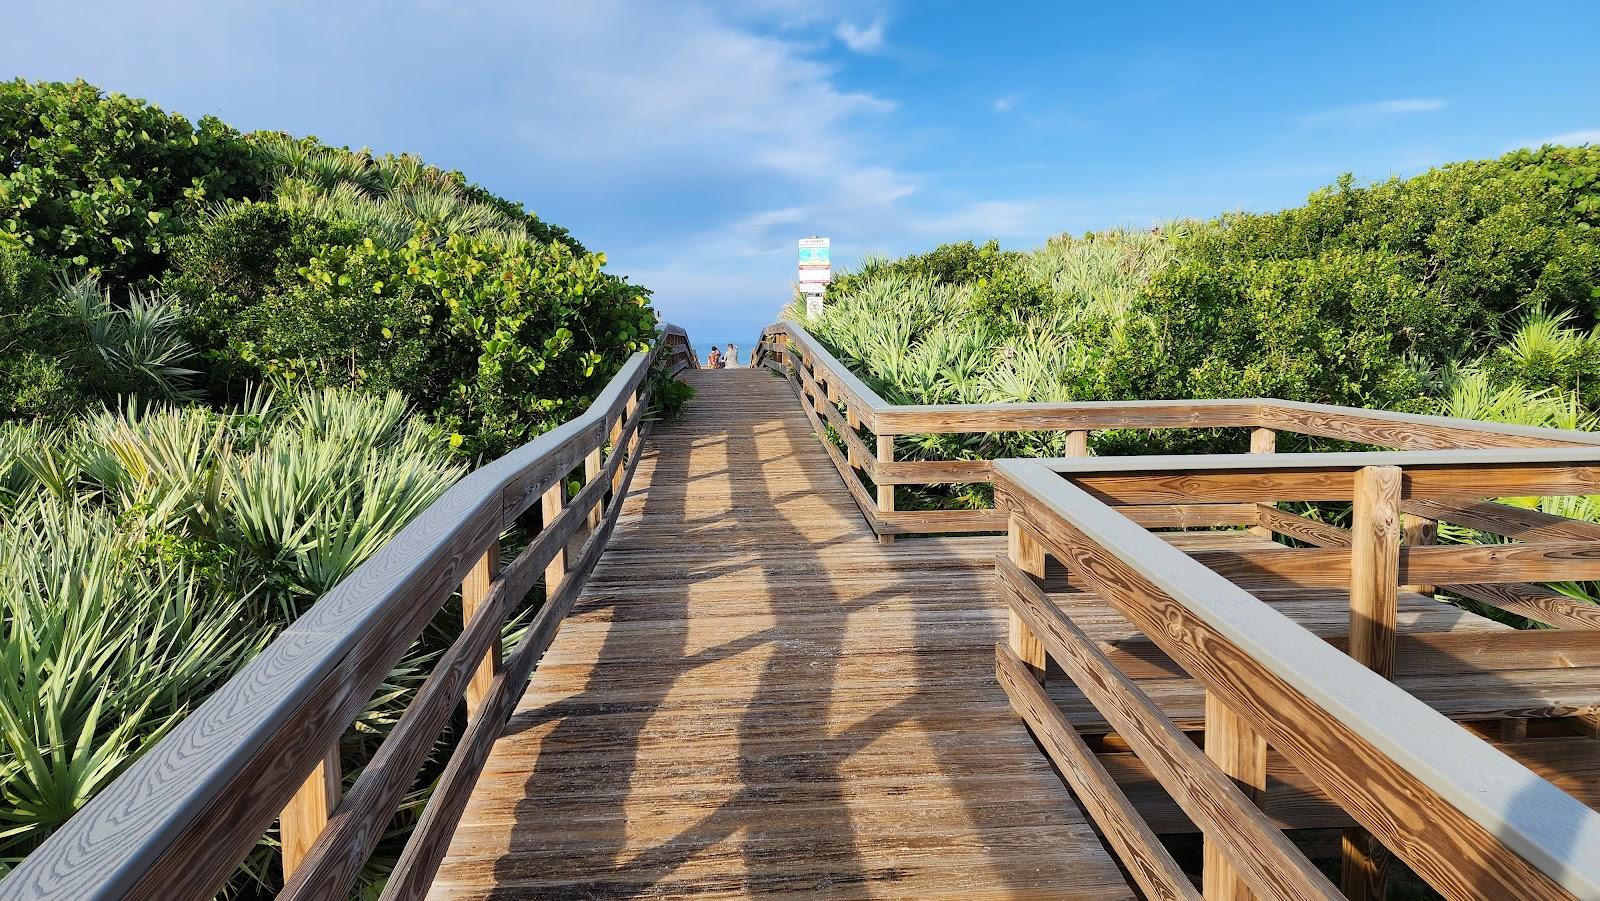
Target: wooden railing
x,y
1468,819
836,399
264,746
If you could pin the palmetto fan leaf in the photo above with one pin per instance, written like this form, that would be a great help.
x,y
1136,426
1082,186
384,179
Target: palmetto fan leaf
x,y
150,551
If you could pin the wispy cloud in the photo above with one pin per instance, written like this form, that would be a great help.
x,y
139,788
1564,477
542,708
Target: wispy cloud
x,y
1364,115
866,39
1005,104
1568,138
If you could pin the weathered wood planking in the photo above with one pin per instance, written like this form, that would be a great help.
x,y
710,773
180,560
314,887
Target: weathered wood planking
x,y
754,697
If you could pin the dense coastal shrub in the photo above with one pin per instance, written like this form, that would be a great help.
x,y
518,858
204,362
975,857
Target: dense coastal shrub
x,y
1362,282
233,261
1366,295
104,182
496,340
393,198
1330,329
287,259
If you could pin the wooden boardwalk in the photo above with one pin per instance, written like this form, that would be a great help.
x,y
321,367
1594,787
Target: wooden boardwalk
x,y
754,697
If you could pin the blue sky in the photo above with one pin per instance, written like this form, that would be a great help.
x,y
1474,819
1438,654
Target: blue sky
x,y
693,142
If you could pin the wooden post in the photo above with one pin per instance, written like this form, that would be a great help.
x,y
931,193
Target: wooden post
x,y
1374,587
307,812
638,432
591,471
616,448
551,503
474,589
854,421
1078,443
1375,567
1420,530
1027,552
1263,441
1241,753
886,492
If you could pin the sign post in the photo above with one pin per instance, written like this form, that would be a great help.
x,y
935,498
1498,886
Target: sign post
x,y
815,271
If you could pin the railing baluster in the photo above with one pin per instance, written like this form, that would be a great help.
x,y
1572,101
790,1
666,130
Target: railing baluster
x,y
852,419
1263,441
474,590
1241,753
591,471
886,492
1027,552
616,448
1420,531
638,434
1078,443
306,814
1374,587
550,504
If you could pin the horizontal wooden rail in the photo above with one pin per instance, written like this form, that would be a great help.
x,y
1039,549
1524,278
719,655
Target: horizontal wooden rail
x,y
1268,862
176,824
1471,821
789,349
1468,564
1149,862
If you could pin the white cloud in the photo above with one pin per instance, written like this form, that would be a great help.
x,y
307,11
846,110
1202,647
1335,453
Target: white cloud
x,y
1363,115
861,40
1568,138
1005,104
692,140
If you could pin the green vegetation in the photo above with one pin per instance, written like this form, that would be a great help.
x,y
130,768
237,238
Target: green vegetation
x,y
1370,296
1471,290
231,367
281,259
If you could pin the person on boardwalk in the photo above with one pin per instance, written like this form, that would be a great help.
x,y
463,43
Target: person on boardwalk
x,y
714,359
731,358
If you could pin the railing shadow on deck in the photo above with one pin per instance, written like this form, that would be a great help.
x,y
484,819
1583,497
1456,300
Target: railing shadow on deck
x,y
787,752
609,867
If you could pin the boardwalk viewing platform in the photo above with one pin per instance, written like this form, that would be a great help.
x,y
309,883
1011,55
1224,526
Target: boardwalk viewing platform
x,y
753,675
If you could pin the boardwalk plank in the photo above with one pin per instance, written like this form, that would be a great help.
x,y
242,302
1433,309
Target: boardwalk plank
x,y
754,697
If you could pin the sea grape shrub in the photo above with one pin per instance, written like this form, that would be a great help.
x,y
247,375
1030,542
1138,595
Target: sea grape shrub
x,y
234,260
1336,300
1329,329
103,182
497,342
